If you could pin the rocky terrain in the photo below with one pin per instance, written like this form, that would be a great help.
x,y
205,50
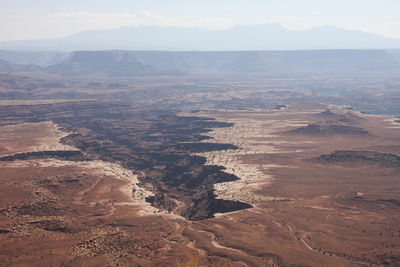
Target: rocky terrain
x,y
317,205
114,184
158,143
343,117
179,161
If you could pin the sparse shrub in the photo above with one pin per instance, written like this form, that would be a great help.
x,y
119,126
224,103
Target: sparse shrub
x,y
194,261
191,262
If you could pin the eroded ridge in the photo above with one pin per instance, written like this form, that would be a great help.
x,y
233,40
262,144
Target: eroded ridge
x,y
46,142
43,136
253,137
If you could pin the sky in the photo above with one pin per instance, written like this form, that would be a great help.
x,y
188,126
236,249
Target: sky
x,y
39,19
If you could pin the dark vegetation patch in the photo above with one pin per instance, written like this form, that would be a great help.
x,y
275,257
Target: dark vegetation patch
x,y
59,154
371,203
314,129
48,208
121,242
51,225
59,186
370,157
394,202
388,260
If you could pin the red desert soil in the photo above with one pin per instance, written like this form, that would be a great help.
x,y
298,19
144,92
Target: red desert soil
x,y
305,213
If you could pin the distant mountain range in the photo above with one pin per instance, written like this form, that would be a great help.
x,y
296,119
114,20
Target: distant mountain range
x,y
239,37
23,83
41,58
9,67
220,63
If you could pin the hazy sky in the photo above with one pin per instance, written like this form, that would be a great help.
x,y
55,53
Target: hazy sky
x,y
35,19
